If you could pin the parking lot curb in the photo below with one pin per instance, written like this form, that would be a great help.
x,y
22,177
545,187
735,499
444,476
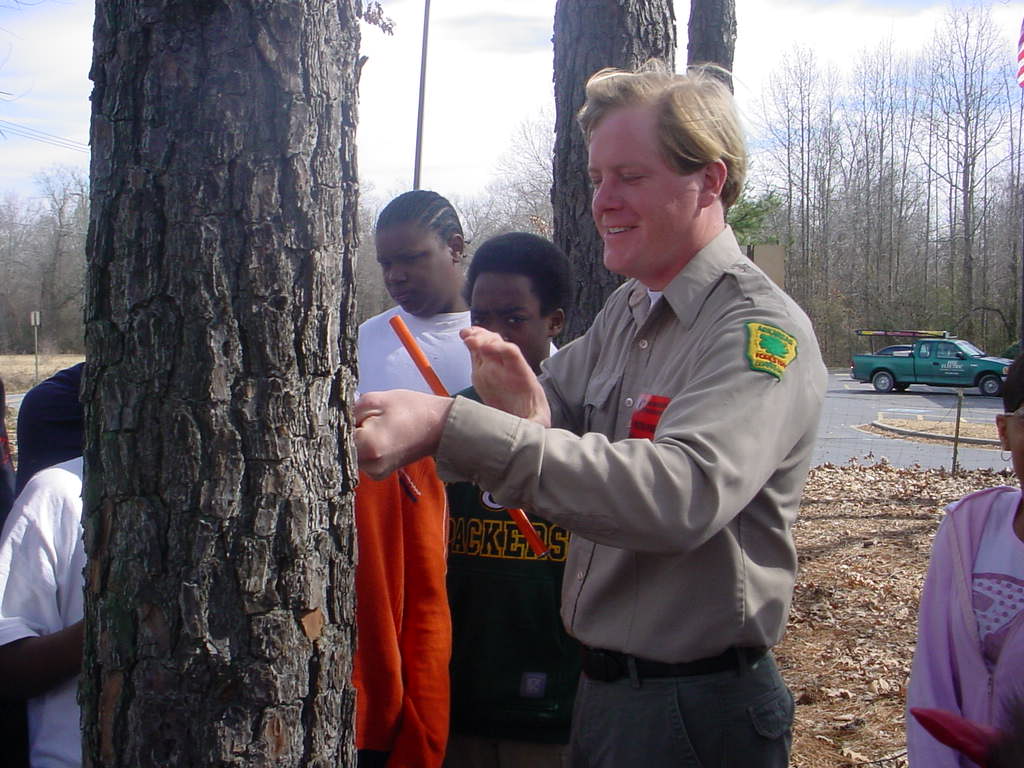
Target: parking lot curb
x,y
932,436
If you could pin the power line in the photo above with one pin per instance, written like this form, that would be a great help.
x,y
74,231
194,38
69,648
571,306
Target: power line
x,y
41,136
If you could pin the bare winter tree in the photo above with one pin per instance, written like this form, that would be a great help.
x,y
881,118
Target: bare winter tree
x,y
61,260
899,185
1013,222
522,188
219,605
42,263
17,274
371,295
968,117
630,33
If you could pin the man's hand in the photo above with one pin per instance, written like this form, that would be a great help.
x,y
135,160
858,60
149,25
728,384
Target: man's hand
x,y
503,378
396,428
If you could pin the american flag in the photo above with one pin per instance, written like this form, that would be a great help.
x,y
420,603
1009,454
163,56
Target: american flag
x,y
1020,57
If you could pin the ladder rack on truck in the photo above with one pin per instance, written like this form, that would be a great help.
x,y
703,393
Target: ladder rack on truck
x,y
887,334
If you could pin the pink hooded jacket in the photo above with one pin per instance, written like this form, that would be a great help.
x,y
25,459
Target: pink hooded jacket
x,y
949,670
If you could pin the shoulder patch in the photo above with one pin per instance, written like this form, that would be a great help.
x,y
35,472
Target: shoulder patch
x,y
769,349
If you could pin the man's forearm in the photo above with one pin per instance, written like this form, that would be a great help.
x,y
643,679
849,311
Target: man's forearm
x,y
31,666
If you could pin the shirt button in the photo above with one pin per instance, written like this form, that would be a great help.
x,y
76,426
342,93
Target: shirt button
x,y
579,575
643,343
628,402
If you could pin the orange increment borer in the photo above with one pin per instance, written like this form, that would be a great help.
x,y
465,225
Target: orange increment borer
x,y
434,382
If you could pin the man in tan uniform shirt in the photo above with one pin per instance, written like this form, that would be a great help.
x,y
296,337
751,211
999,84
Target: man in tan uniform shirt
x,y
673,440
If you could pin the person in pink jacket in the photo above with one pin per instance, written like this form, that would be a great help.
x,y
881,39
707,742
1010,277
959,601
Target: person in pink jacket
x,y
970,639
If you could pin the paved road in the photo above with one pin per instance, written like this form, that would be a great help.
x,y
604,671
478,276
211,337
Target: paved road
x,y
849,403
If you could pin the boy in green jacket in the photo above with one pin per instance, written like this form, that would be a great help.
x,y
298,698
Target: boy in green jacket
x,y
514,669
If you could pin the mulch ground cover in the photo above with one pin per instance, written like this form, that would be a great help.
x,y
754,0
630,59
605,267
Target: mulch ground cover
x,y
864,537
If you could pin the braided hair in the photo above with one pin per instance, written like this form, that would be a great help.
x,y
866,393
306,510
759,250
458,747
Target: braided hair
x,y
424,208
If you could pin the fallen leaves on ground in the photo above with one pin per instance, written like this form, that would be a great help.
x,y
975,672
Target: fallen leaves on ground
x,y
863,537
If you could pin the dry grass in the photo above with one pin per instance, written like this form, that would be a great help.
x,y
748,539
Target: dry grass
x,y
975,429
19,371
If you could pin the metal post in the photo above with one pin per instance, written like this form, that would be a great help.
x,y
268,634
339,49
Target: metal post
x,y
35,318
956,430
423,89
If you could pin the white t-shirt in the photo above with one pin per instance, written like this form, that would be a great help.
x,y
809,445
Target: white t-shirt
x,y
41,583
384,363
998,582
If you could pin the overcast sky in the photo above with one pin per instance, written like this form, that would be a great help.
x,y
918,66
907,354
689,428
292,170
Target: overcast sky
x,y
489,69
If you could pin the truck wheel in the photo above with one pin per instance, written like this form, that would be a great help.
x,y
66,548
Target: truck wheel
x,y
990,386
882,381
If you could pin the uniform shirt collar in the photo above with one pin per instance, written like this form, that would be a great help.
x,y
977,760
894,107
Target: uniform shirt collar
x,y
688,290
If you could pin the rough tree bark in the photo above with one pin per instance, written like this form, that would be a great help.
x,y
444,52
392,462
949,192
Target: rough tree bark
x,y
219,603
589,35
712,34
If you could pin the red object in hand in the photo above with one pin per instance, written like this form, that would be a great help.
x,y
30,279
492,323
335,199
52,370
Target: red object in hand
x,y
972,739
434,382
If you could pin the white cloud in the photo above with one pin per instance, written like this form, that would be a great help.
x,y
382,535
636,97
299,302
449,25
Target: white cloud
x,y
485,74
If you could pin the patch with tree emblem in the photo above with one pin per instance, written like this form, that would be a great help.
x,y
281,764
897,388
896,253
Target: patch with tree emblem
x,y
769,349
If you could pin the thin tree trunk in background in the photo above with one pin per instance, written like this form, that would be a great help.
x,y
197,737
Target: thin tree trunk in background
x,y
712,34
219,337
590,35
1017,207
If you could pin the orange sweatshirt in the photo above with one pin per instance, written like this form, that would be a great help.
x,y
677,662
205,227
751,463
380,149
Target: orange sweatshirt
x,y
403,626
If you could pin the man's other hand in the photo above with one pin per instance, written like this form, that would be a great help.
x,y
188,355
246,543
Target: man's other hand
x,y
396,428
503,378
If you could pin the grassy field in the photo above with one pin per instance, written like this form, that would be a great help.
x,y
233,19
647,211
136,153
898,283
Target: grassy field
x,y
19,371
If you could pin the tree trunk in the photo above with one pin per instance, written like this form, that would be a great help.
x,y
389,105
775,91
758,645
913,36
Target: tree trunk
x,y
629,33
219,338
712,34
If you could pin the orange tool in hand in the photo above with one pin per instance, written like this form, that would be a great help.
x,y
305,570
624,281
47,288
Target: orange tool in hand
x,y
425,369
434,382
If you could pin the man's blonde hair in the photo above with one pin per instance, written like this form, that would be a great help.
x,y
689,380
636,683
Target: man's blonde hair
x,y
697,121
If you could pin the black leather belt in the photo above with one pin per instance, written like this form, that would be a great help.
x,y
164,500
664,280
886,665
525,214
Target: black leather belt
x,y
608,666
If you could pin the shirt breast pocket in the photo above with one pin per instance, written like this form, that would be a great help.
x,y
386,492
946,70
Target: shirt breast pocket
x,y
598,409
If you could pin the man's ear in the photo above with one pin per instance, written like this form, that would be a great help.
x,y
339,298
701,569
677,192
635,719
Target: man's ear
x,y
713,180
457,245
556,321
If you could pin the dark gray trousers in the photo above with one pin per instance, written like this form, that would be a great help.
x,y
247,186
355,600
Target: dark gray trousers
x,y
724,720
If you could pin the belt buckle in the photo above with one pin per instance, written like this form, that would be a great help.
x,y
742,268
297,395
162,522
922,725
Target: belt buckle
x,y
603,665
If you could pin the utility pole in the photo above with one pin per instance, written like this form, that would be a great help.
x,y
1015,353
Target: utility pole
x,y
423,89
